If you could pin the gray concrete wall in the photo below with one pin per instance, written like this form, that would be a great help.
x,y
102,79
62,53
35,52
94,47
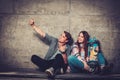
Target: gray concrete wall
x,y
18,41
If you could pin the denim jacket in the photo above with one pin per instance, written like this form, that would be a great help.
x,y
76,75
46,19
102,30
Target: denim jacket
x,y
53,45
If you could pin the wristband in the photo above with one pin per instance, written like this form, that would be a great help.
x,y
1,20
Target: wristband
x,y
77,55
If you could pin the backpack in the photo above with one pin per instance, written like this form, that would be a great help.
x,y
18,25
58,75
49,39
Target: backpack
x,y
92,54
94,66
93,49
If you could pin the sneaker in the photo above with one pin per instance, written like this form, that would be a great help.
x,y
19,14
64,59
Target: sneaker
x,y
107,69
91,70
68,69
50,71
103,71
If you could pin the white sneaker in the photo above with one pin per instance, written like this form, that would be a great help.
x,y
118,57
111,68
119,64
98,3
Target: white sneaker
x,y
50,71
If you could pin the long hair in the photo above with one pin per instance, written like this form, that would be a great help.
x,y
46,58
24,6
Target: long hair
x,y
85,43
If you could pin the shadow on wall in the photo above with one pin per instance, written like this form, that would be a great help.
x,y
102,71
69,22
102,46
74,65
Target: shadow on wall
x,y
110,10
5,60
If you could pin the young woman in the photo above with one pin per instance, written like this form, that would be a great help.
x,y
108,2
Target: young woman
x,y
80,55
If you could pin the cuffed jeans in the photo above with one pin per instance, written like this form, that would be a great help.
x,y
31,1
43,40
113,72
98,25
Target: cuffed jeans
x,y
77,65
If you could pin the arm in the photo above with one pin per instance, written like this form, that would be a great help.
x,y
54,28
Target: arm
x,y
75,50
38,30
86,66
64,55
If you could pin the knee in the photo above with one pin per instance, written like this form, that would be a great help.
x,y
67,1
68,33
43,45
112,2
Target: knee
x,y
71,58
58,56
33,58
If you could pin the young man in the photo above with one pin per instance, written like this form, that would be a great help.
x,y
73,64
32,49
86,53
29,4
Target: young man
x,y
59,50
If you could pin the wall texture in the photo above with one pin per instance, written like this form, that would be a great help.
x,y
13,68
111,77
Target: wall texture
x,y
18,42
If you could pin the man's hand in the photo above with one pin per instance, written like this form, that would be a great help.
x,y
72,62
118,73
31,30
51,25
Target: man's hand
x,y
64,58
38,30
62,48
87,59
32,22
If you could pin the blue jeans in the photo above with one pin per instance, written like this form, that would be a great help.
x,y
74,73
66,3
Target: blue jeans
x,y
101,59
77,65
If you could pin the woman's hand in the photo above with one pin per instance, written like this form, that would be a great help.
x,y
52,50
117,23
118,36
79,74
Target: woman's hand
x,y
87,59
86,66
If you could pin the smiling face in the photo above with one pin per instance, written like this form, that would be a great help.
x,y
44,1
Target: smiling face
x,y
80,38
63,38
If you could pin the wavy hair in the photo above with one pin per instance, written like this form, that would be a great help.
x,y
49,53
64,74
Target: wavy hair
x,y
85,43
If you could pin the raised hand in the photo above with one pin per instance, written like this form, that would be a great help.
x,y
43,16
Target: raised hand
x,y
32,22
37,29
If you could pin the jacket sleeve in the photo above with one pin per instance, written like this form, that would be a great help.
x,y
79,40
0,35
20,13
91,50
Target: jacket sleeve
x,y
48,39
68,51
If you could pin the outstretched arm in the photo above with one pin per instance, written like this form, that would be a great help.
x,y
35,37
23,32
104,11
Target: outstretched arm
x,y
38,30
